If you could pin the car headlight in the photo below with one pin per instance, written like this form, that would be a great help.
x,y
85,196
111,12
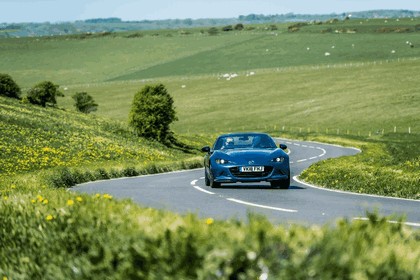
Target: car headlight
x,y
278,159
221,161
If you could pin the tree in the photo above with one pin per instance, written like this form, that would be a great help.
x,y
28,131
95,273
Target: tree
x,y
44,93
8,87
152,112
84,102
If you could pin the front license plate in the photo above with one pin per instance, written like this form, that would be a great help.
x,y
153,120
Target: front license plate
x,y
252,168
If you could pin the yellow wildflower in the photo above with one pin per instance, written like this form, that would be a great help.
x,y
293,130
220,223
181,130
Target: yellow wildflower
x,y
107,196
33,200
209,221
79,199
45,201
97,195
70,202
49,218
13,186
40,198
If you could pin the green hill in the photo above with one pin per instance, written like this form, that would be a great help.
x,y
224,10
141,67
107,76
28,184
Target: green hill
x,y
33,138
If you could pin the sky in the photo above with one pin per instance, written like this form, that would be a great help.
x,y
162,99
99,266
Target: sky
x,y
15,11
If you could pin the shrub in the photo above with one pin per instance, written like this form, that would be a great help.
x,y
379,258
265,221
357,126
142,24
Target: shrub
x,y
8,87
152,112
213,31
227,28
239,26
44,93
84,102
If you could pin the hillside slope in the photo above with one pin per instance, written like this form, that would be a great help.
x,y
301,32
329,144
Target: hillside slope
x,y
35,138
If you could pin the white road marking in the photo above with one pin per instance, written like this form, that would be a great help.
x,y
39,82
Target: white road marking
x,y
262,206
202,190
243,202
391,222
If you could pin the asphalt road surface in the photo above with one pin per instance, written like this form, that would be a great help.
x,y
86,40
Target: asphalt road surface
x,y
185,192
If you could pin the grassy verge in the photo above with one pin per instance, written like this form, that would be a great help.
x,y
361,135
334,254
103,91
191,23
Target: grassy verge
x,y
388,165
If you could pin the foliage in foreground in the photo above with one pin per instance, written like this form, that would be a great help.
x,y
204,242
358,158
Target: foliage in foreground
x,y
54,234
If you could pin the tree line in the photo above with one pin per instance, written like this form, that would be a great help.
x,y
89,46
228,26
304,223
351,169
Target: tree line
x,y
151,113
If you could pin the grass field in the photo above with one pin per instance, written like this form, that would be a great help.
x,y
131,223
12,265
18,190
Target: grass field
x,y
295,84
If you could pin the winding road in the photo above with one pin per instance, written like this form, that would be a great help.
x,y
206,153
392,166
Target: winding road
x,y
185,192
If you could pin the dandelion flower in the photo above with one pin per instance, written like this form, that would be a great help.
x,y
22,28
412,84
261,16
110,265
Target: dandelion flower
x,y
79,199
107,196
49,218
70,202
45,201
209,221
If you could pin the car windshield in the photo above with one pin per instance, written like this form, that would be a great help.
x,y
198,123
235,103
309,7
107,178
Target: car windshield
x,y
245,141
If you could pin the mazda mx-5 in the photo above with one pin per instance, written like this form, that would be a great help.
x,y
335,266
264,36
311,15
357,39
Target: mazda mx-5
x,y
246,157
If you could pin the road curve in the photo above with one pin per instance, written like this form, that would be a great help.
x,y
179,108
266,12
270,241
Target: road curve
x,y
185,192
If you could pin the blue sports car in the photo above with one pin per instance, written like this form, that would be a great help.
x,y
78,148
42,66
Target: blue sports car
x,y
246,157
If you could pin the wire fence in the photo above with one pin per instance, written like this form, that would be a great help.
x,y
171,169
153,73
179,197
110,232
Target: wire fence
x,y
353,132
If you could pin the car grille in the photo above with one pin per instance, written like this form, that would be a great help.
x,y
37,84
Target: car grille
x,y
235,172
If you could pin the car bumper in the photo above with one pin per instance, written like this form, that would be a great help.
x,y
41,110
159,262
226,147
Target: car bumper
x,y
225,175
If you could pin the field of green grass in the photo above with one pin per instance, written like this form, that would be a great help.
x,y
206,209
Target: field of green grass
x,y
293,86
361,93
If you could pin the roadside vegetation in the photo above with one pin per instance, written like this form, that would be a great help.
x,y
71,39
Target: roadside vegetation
x,y
50,233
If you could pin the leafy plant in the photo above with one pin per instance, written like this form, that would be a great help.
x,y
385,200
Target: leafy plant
x,y
44,93
152,112
8,87
84,102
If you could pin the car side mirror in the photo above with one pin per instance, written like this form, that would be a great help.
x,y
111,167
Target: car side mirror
x,y
283,146
205,149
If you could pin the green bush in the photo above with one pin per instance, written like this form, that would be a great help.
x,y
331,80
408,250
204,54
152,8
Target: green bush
x,y
8,87
44,93
152,112
84,102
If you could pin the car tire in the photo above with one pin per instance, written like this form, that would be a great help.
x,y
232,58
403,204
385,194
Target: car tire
x,y
214,184
281,184
206,178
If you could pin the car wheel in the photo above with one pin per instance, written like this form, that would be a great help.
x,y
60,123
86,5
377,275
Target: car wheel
x,y
206,178
282,184
214,184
